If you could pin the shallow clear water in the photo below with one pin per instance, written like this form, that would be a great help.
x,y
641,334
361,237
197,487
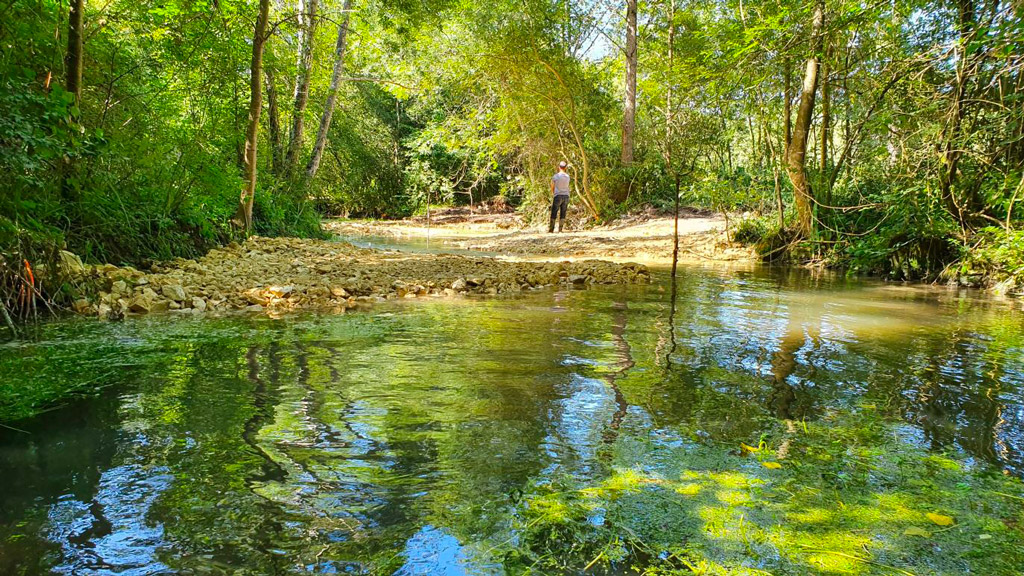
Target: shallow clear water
x,y
398,439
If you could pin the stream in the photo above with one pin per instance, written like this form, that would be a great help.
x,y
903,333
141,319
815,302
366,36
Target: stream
x,y
404,438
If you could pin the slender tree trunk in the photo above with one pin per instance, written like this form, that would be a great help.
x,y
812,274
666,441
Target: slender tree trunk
x,y
302,86
73,59
332,94
787,105
274,120
243,216
73,84
669,134
629,115
675,228
778,186
797,152
826,126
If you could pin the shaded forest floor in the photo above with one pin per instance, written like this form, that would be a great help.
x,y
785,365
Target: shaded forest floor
x,y
644,237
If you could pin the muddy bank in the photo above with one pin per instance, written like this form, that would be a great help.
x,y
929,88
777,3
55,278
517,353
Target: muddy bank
x,y
290,273
645,238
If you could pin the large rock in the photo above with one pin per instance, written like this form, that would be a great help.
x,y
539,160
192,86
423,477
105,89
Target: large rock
x,y
174,292
280,291
140,304
146,301
70,263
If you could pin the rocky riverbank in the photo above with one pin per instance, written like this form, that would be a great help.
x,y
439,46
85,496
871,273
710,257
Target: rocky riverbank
x,y
289,273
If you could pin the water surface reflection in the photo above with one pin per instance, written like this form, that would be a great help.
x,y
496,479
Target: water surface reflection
x,y
398,440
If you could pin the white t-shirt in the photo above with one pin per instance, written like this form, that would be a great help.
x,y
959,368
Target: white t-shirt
x,y
561,180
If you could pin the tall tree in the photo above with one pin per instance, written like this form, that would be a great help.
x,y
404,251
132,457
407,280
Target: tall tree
x,y
787,104
797,152
826,125
308,23
332,93
243,216
629,106
274,121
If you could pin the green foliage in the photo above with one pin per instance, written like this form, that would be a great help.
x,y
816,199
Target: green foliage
x,y
752,230
456,101
146,166
998,258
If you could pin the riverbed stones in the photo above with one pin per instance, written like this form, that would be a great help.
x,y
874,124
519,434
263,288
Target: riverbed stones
x,y
70,264
174,292
281,291
287,273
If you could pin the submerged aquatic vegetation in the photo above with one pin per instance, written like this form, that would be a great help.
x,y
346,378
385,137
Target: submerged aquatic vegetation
x,y
848,497
776,427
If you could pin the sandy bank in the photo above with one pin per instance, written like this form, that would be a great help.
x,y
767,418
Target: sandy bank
x,y
642,238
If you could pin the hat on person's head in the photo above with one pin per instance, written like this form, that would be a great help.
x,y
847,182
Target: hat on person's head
x,y
562,164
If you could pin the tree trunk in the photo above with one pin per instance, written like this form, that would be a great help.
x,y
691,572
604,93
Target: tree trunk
x,y
825,128
669,132
797,152
73,84
243,216
629,116
302,86
332,94
73,59
274,117
787,105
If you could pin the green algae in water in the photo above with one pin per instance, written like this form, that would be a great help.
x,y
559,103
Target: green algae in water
x,y
770,423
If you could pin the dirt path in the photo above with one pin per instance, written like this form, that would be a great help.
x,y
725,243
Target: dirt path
x,y
642,238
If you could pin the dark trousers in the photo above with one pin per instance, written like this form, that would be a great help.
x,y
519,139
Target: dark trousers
x,y
559,204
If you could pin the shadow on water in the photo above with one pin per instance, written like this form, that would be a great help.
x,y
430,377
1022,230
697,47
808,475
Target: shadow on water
x,y
460,436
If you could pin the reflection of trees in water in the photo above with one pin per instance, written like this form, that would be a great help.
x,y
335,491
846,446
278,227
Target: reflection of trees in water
x,y
63,457
710,356
624,361
963,387
786,401
379,438
955,379
263,412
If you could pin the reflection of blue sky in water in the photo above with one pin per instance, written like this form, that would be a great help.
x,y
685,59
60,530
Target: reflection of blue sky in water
x,y
578,420
397,439
434,552
111,535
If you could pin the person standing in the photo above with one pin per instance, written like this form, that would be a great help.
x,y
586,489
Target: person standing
x,y
560,197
